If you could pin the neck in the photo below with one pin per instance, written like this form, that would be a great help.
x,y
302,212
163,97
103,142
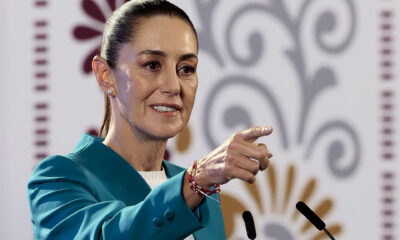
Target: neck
x,y
144,154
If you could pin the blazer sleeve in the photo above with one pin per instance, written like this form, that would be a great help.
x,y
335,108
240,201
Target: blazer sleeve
x,y
64,206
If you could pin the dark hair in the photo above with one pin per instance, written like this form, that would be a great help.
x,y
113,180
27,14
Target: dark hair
x,y
121,28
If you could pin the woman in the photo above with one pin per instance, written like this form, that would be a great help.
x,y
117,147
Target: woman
x,y
119,186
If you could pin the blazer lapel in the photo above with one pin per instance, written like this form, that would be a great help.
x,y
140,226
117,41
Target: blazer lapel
x,y
119,177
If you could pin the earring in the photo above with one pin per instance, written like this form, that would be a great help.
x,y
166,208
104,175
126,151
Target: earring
x,y
110,92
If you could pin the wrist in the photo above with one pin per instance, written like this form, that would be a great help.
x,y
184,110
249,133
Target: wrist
x,y
200,176
203,181
191,198
198,188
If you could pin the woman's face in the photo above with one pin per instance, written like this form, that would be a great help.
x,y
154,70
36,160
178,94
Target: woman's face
x,y
156,77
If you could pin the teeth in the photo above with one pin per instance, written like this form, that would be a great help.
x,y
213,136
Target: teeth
x,y
164,109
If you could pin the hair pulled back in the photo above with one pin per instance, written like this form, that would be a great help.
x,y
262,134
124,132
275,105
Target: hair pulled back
x,y
122,27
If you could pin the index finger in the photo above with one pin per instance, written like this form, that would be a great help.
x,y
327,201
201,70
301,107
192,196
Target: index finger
x,y
254,133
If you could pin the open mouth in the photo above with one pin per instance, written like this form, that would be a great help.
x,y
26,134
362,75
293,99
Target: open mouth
x,y
166,108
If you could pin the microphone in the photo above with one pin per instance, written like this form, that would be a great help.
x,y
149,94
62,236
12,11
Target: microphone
x,y
249,223
313,218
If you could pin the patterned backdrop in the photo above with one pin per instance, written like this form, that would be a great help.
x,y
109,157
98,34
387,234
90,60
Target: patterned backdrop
x,y
322,73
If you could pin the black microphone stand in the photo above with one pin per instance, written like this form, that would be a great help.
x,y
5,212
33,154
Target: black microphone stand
x,y
329,234
313,218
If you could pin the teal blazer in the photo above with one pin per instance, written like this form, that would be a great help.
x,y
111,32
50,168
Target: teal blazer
x,y
93,193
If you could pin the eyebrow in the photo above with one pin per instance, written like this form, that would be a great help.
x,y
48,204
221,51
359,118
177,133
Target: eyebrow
x,y
163,54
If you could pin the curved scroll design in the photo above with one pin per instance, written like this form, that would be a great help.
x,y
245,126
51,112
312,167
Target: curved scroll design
x,y
255,40
206,9
312,84
337,148
326,23
241,114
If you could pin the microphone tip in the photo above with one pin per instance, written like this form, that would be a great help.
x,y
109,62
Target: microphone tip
x,y
249,223
310,215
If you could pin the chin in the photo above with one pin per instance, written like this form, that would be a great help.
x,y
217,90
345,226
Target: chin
x,y
164,135
166,132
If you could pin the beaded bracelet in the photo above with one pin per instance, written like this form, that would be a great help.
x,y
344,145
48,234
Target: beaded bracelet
x,y
198,189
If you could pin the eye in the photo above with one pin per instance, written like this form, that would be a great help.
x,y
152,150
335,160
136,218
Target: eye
x,y
186,71
153,66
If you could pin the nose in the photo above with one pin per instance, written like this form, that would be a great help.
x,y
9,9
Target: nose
x,y
169,82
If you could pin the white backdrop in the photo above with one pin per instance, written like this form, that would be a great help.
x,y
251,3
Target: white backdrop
x,y
323,73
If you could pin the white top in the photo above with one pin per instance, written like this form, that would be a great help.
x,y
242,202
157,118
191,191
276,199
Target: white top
x,y
155,178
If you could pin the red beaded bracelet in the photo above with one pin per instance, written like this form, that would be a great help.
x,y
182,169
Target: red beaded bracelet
x,y
197,188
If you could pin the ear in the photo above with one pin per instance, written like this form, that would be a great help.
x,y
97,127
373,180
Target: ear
x,y
103,74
